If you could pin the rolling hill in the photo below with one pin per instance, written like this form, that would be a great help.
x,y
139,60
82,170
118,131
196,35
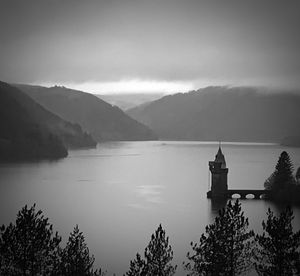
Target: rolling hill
x,y
222,113
104,121
127,101
29,131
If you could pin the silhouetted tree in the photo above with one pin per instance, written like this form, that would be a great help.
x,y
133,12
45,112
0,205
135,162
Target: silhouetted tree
x,y
278,253
158,257
137,267
7,258
226,248
29,247
298,175
75,257
282,178
159,254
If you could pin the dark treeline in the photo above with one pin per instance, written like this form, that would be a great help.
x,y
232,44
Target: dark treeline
x,y
157,257
30,247
228,248
283,185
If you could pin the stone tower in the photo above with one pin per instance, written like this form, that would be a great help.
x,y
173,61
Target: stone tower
x,y
219,174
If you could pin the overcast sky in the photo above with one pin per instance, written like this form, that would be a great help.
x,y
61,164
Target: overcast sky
x,y
150,45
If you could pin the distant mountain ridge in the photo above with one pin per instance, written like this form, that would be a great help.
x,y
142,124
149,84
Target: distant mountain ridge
x,y
129,100
222,113
29,131
102,120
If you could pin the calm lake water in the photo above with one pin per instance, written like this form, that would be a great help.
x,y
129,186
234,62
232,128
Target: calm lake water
x,y
120,192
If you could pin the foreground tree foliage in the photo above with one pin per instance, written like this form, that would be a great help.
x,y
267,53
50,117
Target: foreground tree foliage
x,y
298,176
159,254
137,267
75,257
278,252
158,257
29,247
226,247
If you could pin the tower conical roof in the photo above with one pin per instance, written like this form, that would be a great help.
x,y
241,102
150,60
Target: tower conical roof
x,y
220,158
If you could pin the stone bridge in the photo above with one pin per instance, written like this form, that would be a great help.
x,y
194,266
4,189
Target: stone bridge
x,y
243,193
219,185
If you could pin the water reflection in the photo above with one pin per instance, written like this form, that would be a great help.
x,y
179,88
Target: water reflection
x,y
150,193
120,192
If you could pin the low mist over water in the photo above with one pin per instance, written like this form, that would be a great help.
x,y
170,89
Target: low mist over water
x,y
120,192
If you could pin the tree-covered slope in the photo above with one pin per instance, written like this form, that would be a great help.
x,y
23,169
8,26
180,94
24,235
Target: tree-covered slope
x,y
29,131
221,113
104,121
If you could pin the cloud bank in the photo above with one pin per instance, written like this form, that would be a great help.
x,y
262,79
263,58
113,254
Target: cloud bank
x,y
194,42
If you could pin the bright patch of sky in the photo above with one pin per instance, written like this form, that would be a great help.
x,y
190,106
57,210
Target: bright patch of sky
x,y
150,45
127,86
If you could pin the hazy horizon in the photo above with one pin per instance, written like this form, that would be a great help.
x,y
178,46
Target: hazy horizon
x,y
148,92
150,46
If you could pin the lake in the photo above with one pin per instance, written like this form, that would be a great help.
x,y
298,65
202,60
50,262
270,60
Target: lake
x,y
120,192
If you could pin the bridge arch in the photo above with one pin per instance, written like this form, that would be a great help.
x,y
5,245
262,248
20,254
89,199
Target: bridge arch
x,y
263,196
243,194
235,195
